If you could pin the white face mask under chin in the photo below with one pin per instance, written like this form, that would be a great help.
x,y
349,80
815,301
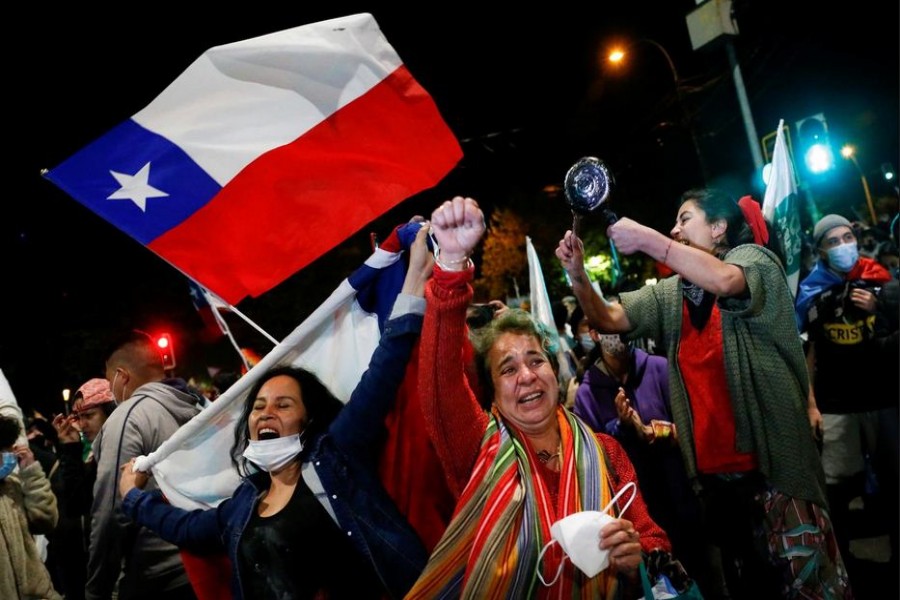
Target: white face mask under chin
x,y
579,536
272,455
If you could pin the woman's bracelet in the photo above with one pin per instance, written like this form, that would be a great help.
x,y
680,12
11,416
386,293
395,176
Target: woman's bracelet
x,y
666,256
448,265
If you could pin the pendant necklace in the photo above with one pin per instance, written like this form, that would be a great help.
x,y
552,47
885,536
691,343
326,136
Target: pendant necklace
x,y
545,456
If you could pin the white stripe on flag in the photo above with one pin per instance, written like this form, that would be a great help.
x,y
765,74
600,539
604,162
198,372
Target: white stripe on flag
x,y
293,79
193,467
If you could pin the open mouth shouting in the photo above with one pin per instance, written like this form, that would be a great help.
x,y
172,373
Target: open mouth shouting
x,y
267,433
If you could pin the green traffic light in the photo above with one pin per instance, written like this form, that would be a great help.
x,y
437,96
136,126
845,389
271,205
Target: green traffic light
x,y
813,135
819,158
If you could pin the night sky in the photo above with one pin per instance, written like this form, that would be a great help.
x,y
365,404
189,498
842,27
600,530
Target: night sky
x,y
525,91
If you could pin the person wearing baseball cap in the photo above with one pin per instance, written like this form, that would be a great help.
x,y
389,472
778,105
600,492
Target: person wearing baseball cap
x,y
92,404
838,306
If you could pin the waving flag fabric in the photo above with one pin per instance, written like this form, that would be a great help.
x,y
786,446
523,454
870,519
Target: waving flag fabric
x,y
321,125
193,467
541,308
213,325
538,296
781,208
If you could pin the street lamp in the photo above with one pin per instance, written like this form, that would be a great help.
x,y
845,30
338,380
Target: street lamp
x,y
849,152
617,55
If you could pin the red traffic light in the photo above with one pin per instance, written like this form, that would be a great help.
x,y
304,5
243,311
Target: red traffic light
x,y
166,349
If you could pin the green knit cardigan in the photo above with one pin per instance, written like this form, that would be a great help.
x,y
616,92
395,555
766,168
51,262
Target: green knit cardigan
x,y
765,368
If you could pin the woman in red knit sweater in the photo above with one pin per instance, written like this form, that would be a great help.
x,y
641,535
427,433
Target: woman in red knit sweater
x,y
517,461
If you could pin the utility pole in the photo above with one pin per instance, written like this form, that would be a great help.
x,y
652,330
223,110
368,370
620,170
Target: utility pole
x,y
749,126
711,21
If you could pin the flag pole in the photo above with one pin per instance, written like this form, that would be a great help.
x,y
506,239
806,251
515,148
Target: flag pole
x,y
227,330
215,303
249,322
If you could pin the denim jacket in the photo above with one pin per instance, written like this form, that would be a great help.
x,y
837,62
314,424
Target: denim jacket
x,y
345,458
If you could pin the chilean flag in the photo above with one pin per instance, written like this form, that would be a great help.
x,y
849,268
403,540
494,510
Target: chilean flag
x,y
266,153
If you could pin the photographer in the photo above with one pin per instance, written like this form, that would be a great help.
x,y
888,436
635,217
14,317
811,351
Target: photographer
x,y
838,306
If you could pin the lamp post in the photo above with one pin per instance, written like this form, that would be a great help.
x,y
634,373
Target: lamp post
x,y
618,54
849,152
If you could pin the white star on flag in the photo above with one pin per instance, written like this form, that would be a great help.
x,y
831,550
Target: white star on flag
x,y
136,188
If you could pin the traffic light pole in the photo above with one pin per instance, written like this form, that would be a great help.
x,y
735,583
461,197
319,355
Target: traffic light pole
x,y
749,126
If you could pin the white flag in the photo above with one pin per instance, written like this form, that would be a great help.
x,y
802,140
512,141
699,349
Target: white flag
x,y
781,208
10,408
541,309
540,299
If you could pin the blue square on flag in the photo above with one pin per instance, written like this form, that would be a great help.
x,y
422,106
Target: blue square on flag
x,y
124,178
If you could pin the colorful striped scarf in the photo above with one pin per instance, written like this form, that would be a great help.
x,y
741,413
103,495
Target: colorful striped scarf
x,y
503,519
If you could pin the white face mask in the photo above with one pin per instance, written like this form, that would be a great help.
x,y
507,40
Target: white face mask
x,y
579,536
842,258
112,389
273,455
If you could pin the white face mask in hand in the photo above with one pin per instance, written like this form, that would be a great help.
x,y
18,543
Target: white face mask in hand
x,y
272,455
579,536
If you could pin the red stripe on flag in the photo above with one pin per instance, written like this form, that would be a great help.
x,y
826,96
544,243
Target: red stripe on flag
x,y
295,203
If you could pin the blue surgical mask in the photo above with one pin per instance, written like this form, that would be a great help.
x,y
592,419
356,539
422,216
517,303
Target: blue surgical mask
x,y
587,343
8,464
842,258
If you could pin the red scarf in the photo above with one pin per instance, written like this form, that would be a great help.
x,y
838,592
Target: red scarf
x,y
868,269
754,217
